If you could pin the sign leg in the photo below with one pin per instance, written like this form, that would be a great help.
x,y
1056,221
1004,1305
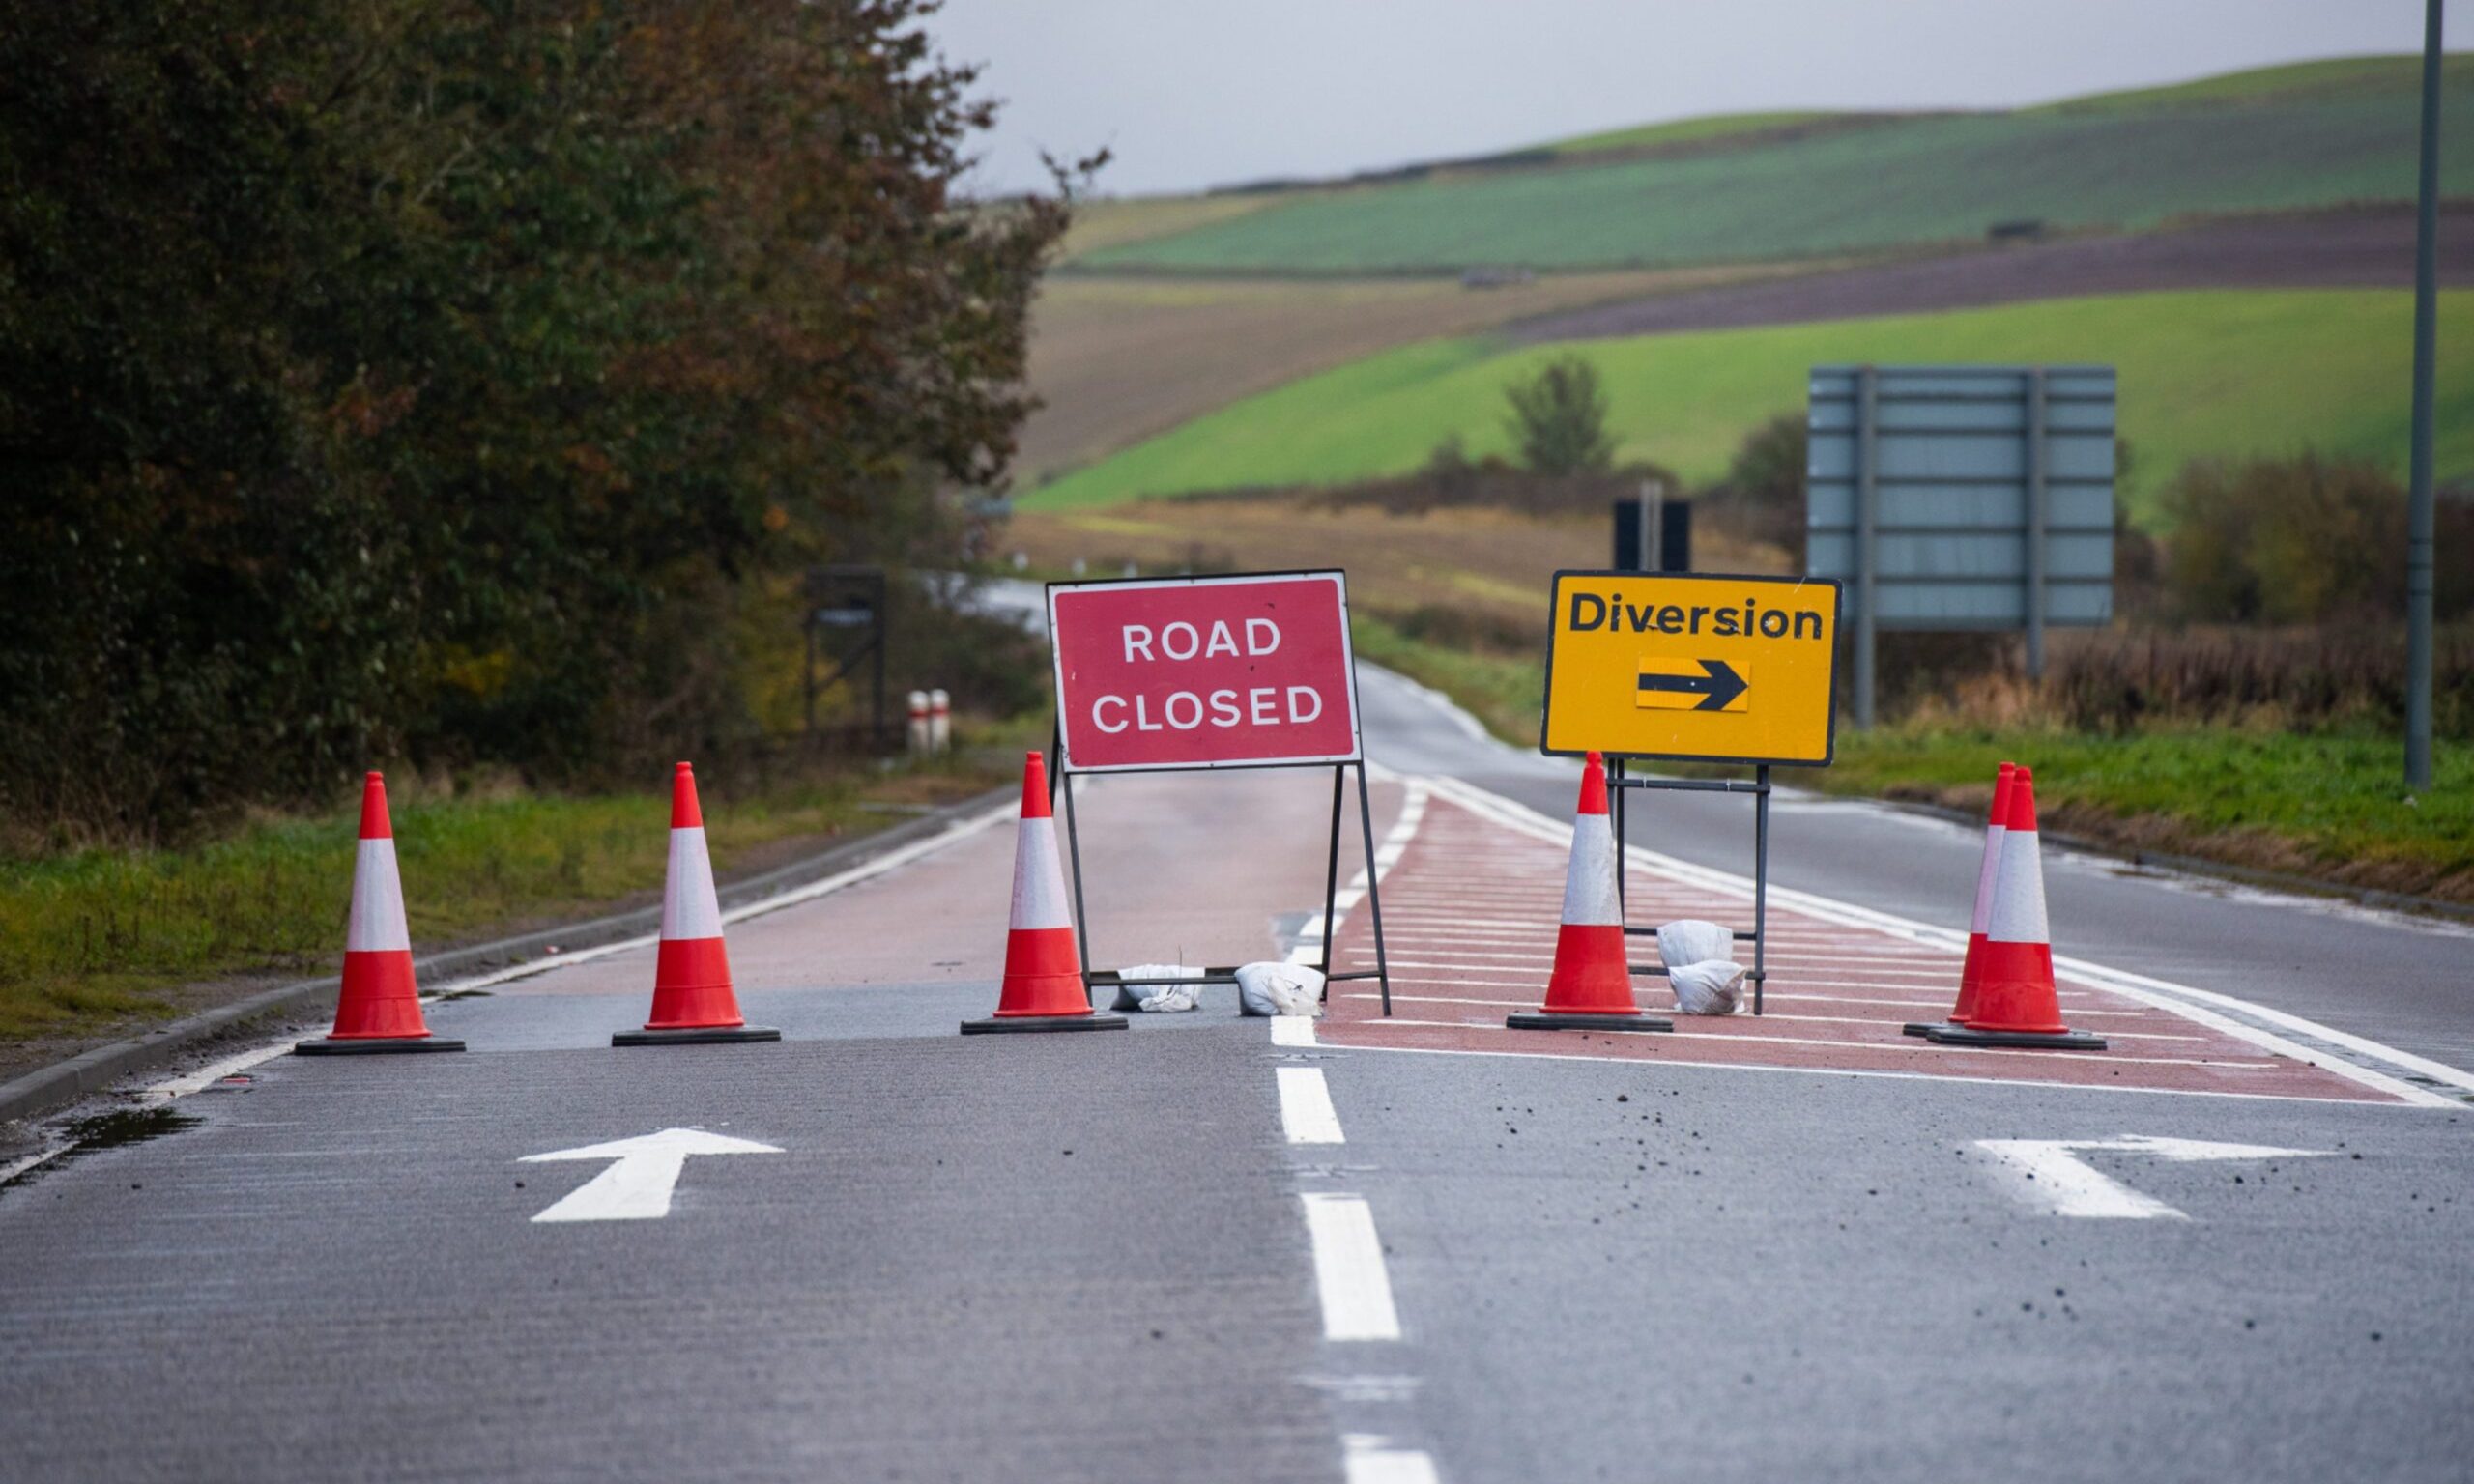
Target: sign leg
x,y
1082,913
1760,880
1373,890
1623,838
1332,874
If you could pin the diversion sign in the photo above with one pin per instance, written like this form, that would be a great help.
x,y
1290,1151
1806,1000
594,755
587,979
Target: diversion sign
x,y
1251,671
1706,669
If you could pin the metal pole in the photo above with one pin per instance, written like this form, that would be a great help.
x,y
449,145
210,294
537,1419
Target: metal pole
x,y
2036,522
1373,895
1652,524
1622,836
807,675
1759,882
2418,510
1082,913
1332,868
1867,448
884,641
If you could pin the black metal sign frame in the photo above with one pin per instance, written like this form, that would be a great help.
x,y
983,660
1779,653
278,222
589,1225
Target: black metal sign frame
x,y
1060,779
1759,788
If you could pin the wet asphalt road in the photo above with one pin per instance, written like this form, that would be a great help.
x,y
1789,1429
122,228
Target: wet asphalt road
x,y
1600,1269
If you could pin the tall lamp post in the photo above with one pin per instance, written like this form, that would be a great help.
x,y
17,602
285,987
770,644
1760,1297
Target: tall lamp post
x,y
2418,510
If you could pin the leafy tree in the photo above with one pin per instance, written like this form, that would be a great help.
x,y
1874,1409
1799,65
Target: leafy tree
x,y
382,376
1558,418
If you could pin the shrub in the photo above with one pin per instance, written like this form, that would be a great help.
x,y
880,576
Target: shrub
x,y
1559,420
2301,540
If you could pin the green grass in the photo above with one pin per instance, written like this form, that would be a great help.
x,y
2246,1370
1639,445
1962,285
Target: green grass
x,y
2326,803
2248,143
94,938
2212,373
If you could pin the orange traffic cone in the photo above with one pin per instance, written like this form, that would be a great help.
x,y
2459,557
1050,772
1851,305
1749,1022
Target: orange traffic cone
x,y
2015,1001
379,1009
1995,825
1044,989
1591,988
693,1001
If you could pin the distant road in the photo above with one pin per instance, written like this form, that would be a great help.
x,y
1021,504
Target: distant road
x,y
2370,248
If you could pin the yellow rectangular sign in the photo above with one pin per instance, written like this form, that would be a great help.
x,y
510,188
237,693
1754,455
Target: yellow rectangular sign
x,y
1705,668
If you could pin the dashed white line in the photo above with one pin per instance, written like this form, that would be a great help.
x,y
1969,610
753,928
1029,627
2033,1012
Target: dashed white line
x,y
1292,1031
1368,1459
1349,1275
1305,1108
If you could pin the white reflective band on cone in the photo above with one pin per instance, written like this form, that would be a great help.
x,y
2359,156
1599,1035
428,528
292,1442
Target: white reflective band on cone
x,y
1039,882
2018,914
689,909
377,925
1985,876
1589,885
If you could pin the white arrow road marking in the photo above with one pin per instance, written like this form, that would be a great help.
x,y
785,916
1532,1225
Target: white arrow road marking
x,y
2046,1173
637,1187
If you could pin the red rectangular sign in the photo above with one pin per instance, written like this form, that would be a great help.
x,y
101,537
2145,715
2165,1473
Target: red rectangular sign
x,y
1204,672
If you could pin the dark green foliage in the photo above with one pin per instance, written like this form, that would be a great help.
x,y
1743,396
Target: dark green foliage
x,y
1558,418
1762,498
382,380
2300,540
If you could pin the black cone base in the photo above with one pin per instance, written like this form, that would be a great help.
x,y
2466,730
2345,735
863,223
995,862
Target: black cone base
x,y
994,1026
1923,1027
701,1035
2033,1040
1550,1020
375,1045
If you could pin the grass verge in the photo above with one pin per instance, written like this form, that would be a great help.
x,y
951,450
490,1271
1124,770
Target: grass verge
x,y
2326,804
98,941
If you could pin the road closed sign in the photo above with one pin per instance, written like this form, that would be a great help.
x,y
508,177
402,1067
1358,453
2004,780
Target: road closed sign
x,y
1251,671
1706,669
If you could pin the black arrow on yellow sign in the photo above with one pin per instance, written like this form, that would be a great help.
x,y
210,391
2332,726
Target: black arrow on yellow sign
x,y
1667,685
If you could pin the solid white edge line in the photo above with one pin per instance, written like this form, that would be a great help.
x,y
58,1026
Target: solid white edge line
x,y
1292,1031
1305,1108
1315,930
1863,1071
2162,994
1349,1276
960,829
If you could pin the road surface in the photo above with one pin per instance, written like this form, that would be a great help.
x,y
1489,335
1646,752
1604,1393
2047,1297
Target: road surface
x,y
1356,1249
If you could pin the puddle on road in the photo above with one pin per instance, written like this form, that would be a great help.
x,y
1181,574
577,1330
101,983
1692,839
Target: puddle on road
x,y
108,1130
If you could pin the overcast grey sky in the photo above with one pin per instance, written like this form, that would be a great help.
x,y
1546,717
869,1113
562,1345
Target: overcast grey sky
x,y
1196,93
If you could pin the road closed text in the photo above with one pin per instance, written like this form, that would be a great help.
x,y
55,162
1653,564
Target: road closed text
x,y
1203,672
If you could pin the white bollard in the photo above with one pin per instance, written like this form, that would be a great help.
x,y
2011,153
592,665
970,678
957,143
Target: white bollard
x,y
919,737
940,722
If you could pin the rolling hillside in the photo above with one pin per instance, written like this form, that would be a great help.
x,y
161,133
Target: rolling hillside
x,y
2203,373
1787,186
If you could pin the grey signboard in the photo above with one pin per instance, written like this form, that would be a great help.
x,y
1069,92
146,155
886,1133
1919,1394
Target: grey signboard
x,y
1961,497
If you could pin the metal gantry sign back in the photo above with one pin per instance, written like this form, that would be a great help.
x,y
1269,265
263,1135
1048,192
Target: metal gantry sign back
x,y
1962,498
1700,669
1248,670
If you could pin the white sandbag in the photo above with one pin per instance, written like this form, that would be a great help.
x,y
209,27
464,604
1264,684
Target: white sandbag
x,y
1280,990
1132,996
1711,987
1693,941
1173,998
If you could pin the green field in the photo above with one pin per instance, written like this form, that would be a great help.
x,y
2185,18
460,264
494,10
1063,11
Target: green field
x,y
2321,135
2222,372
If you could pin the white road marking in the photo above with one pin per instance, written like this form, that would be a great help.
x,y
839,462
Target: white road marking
x,y
1904,1044
10,1172
1743,1013
1349,1275
2183,1000
1292,1031
637,1184
2048,1174
1305,1108
1368,1459
1697,1065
